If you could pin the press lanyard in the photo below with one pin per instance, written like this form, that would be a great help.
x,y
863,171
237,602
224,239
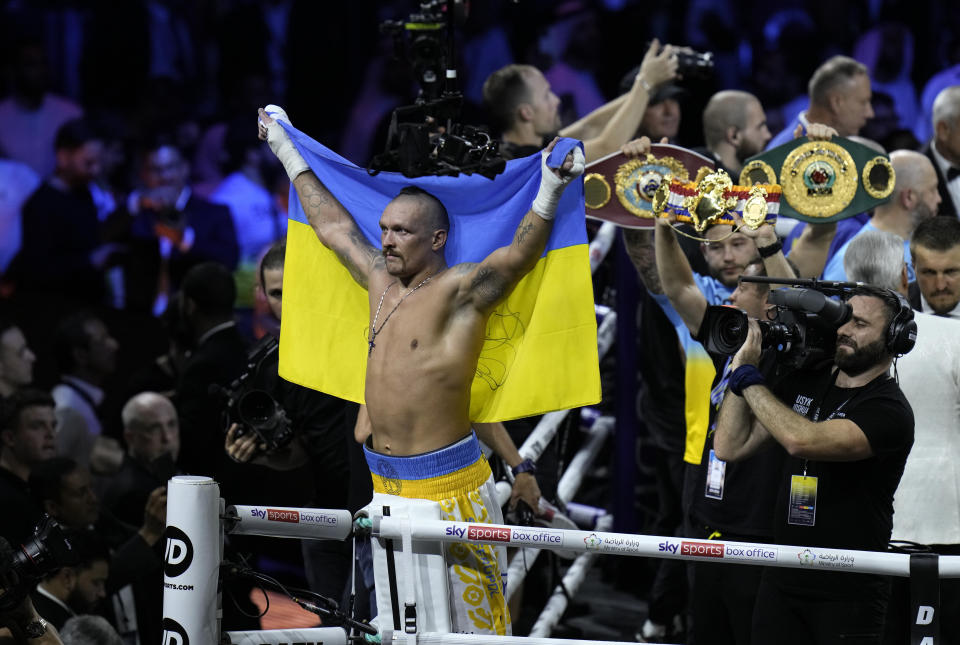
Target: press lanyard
x,y
823,398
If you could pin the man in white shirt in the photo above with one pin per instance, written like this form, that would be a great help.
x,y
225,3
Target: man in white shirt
x,y
935,253
929,377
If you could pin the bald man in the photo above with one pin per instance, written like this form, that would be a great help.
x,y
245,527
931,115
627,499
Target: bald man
x,y
915,199
151,431
840,97
734,129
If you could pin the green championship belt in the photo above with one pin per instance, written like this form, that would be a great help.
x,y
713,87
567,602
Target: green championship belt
x,y
823,181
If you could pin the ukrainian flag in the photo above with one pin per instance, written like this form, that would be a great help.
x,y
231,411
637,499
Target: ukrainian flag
x,y
540,352
699,374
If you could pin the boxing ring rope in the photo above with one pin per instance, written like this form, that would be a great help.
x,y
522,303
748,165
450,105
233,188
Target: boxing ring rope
x,y
566,489
557,603
194,540
674,548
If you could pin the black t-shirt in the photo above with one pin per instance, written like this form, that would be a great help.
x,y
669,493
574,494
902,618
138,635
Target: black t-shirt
x,y
746,501
661,395
21,511
324,425
854,504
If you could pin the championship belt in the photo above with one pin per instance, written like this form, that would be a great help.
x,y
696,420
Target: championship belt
x,y
714,199
620,190
823,181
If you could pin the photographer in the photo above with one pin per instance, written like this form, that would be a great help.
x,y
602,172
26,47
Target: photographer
x,y
524,108
848,430
320,424
676,296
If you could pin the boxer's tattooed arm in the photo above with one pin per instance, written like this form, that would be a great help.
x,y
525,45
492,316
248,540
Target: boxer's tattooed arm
x,y
525,227
488,286
641,251
336,228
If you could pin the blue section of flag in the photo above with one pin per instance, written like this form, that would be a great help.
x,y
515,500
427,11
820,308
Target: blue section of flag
x,y
484,214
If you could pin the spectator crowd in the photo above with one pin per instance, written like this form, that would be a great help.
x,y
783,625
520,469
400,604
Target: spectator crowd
x,y
142,228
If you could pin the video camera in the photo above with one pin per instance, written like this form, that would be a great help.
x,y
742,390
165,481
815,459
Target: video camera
x,y
20,570
252,408
803,331
423,138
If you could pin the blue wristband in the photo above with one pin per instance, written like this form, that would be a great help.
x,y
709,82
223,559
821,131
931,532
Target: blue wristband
x,y
525,466
743,377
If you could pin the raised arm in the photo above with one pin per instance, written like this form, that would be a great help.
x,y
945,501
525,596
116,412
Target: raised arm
x,y
676,276
333,224
765,237
809,251
639,242
487,284
657,68
591,125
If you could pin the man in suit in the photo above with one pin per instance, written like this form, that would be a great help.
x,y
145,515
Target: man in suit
x,y
79,588
207,298
944,148
151,431
169,229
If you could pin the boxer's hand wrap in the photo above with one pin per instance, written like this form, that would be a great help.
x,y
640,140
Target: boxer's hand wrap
x,y
282,146
552,184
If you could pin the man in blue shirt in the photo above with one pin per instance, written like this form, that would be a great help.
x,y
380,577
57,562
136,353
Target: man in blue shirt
x,y
840,97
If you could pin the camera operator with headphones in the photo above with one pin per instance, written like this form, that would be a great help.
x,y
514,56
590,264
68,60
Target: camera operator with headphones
x,y
848,430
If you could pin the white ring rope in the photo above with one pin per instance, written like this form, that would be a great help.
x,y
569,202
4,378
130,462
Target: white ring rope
x,y
779,555
557,604
566,489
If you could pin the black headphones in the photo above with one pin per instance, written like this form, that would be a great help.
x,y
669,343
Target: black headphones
x,y
902,332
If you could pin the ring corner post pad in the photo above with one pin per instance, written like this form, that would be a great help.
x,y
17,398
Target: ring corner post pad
x,y
191,566
925,599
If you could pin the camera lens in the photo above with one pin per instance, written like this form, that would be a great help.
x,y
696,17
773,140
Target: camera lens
x,y
256,408
727,329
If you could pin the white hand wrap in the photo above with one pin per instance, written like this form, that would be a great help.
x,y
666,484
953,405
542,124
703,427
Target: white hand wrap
x,y
279,141
552,184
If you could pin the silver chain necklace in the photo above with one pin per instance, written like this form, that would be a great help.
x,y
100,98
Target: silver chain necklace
x,y
374,332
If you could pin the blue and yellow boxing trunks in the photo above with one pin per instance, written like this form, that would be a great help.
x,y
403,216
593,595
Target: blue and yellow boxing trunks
x,y
458,478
